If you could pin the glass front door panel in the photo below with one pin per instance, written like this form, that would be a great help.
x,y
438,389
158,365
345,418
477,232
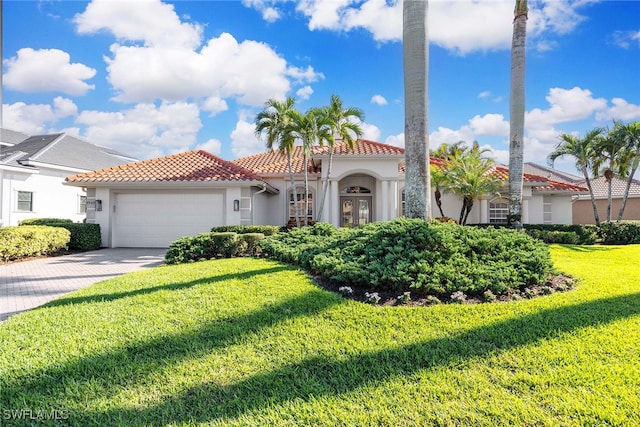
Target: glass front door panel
x,y
347,213
363,211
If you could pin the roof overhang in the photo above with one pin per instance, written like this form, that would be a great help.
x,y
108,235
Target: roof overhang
x,y
166,185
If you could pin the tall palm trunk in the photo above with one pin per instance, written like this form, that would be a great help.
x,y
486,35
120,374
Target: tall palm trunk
x,y
609,175
293,188
585,172
306,189
516,114
325,184
626,192
416,70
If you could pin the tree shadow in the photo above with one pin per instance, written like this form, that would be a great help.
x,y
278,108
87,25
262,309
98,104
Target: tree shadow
x,y
317,376
123,366
590,248
166,287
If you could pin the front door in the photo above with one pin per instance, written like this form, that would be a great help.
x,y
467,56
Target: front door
x,y
355,211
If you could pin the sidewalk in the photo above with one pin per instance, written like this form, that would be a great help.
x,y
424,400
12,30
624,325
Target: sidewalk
x,y
29,284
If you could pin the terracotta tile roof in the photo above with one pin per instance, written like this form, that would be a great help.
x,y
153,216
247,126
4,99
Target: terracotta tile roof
x,y
275,162
192,166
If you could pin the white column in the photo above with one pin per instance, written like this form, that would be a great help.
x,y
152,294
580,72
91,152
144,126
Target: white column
x,y
384,214
393,185
525,211
334,203
484,211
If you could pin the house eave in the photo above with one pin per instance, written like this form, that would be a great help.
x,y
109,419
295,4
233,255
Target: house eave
x,y
149,185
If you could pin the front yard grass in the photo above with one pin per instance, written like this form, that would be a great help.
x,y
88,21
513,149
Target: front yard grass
x,y
254,342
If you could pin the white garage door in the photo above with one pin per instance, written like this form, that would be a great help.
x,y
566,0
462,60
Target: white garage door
x,y
155,219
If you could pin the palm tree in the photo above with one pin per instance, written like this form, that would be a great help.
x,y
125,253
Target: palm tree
x,y
275,121
516,114
610,151
439,180
415,53
446,151
469,177
630,133
342,125
309,128
583,150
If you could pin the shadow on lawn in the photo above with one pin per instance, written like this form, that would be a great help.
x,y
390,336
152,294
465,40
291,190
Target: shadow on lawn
x,y
168,287
315,376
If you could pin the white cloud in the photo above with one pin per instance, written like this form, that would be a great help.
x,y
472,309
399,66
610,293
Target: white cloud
x,y
566,105
269,13
304,92
484,94
395,140
145,130
34,119
621,110
626,39
244,141
212,146
460,26
378,100
214,105
370,132
150,21
47,70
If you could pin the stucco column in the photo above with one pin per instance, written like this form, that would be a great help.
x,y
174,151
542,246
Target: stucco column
x,y
484,211
334,203
393,199
525,211
384,214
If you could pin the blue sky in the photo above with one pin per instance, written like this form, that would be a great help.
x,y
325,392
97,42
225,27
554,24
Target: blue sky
x,y
151,78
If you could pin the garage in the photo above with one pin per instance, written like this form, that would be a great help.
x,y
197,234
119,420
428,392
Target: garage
x,y
154,219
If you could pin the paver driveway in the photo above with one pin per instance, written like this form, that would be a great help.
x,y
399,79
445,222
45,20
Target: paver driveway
x,y
28,284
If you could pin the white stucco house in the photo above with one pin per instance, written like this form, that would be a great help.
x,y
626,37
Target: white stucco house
x,y
33,170
153,202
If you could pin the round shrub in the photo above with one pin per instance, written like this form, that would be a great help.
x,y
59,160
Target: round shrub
x,y
406,254
31,240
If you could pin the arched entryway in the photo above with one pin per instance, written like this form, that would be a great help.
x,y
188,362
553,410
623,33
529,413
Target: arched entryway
x,y
357,200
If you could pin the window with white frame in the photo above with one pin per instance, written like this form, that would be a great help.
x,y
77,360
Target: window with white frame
x,y
25,201
82,204
498,211
300,202
547,211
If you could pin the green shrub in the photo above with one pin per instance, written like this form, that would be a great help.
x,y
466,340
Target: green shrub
x,y
44,221
620,233
408,254
84,236
586,234
31,240
562,237
267,230
250,242
225,244
211,245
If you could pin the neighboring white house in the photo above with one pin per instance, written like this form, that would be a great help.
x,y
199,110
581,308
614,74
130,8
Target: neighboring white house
x,y
33,170
582,207
151,203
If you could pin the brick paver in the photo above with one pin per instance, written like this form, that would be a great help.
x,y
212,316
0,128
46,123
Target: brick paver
x,y
29,284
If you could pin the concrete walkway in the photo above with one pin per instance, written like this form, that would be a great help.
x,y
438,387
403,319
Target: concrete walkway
x,y
28,284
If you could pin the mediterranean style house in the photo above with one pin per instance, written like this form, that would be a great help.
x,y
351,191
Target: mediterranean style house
x,y
33,169
153,202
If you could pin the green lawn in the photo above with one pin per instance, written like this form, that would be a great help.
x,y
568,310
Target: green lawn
x,y
254,342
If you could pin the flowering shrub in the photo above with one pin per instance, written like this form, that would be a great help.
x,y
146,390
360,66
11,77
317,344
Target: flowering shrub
x,y
372,298
458,297
405,297
345,290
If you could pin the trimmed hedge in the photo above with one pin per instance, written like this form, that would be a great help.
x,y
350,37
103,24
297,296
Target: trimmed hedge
x,y
266,230
44,221
620,233
406,254
84,236
574,234
31,240
212,245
